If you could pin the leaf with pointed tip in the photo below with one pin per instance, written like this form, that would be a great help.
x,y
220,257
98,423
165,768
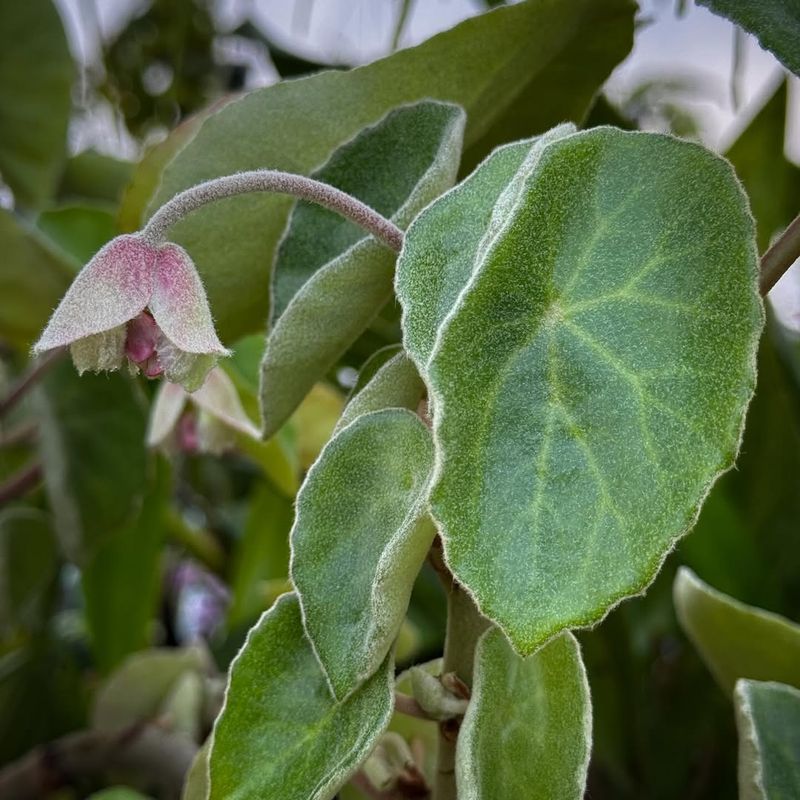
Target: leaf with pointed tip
x,y
736,640
768,721
507,68
281,722
359,540
371,365
590,382
528,727
396,384
330,280
775,23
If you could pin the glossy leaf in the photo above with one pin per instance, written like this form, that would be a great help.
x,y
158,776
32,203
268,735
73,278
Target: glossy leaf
x,y
358,541
137,690
528,728
330,279
280,716
95,482
768,720
528,53
33,279
775,23
580,431
736,640
36,74
396,384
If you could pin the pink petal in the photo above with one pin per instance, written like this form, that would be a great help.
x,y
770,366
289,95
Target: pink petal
x,y
141,339
179,303
110,290
219,398
165,412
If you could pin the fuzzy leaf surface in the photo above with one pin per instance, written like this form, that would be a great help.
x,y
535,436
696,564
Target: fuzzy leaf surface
x,y
330,279
528,53
280,720
359,541
590,382
528,727
768,721
775,23
736,640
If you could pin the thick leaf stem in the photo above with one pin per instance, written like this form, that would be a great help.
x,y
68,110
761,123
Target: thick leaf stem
x,y
464,627
783,253
268,180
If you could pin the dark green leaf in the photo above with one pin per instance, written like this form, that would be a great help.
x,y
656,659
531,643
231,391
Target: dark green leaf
x,y
78,230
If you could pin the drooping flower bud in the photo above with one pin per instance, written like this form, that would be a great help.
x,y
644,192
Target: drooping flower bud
x,y
209,425
142,302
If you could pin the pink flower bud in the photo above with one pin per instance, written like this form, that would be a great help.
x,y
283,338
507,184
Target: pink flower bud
x,y
142,302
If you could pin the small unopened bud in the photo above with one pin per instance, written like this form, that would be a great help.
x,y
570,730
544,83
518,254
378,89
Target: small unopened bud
x,y
391,766
438,701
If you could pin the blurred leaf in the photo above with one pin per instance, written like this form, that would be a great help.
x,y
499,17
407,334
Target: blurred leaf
x,y
32,281
92,431
613,394
545,752
121,619
195,786
262,553
78,230
279,717
28,567
507,68
36,74
771,180
396,384
138,689
768,719
118,793
360,514
735,640
94,176
775,23
330,279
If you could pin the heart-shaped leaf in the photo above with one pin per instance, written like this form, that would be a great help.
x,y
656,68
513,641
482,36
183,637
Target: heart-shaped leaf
x,y
359,540
768,720
736,640
590,382
281,733
506,68
528,727
330,279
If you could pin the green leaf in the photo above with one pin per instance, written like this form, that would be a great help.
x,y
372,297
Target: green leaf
x,y
118,793
281,723
371,365
138,689
736,640
36,74
358,541
261,555
330,279
507,68
195,787
528,728
768,720
92,431
771,180
120,620
775,23
396,384
580,430
94,176
33,279
79,230
28,567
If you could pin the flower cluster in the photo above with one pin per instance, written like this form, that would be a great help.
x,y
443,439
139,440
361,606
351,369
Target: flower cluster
x,y
142,302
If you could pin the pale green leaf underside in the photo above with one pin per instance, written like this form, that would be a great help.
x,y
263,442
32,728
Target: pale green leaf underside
x,y
358,541
528,728
768,720
590,383
396,384
330,279
736,640
281,734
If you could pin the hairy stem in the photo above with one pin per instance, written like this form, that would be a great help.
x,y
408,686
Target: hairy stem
x,y
268,180
783,253
464,627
